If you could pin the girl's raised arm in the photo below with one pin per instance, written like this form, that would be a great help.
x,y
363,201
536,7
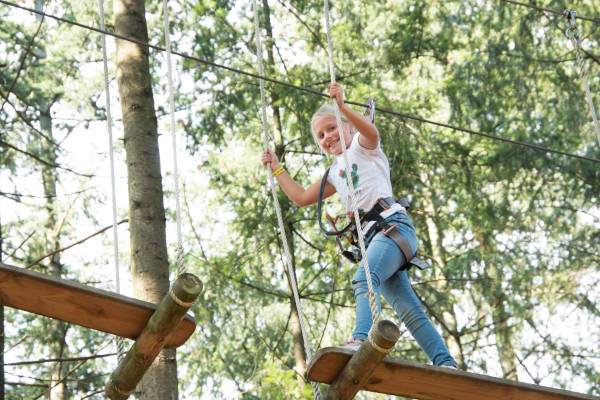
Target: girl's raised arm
x,y
369,137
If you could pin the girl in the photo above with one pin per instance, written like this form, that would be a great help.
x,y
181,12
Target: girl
x,y
371,180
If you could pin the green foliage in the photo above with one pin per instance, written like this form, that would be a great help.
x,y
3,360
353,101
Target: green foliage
x,y
512,232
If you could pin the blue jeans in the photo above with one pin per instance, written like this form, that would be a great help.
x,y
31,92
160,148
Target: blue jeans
x,y
385,260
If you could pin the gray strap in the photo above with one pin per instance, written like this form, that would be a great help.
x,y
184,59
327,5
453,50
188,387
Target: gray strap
x,y
397,237
402,243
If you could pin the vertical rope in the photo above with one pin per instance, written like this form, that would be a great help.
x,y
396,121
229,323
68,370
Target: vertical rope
x,y
354,207
179,251
573,33
119,341
288,257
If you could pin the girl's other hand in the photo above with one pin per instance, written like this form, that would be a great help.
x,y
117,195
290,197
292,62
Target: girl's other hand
x,y
270,157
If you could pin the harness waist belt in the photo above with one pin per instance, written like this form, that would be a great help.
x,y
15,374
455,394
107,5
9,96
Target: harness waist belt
x,y
391,231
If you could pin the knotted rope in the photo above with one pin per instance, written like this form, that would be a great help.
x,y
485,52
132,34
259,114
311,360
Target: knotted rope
x,y
361,241
573,33
288,257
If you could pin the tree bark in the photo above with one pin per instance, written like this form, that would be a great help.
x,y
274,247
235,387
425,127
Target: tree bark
x,y
150,267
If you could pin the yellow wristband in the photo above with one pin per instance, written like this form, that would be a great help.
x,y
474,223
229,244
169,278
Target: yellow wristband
x,y
278,172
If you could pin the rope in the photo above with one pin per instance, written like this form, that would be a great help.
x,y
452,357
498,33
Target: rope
x,y
361,241
295,87
179,251
288,257
573,33
119,340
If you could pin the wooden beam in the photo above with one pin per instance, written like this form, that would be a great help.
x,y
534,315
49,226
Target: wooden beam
x,y
82,305
165,319
358,369
426,382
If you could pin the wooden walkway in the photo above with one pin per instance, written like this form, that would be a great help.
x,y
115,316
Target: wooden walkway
x,y
425,382
82,305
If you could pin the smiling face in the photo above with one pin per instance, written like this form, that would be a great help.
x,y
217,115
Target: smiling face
x,y
328,136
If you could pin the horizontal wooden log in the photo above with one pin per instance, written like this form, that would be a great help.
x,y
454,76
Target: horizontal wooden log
x,y
151,341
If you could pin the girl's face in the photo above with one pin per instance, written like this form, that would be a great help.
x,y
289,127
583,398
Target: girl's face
x,y
328,134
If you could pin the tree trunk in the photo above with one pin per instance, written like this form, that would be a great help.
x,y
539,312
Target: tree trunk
x,y
57,330
440,285
150,267
295,327
500,316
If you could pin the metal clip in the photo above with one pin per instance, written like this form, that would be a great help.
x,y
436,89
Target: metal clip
x,y
573,31
370,110
353,254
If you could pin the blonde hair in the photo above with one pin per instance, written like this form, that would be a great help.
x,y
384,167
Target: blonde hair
x,y
326,110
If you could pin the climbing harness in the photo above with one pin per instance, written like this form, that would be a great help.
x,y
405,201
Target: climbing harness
x,y
574,34
391,230
353,254
350,233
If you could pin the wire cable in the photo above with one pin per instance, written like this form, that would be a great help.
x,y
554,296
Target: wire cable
x,y
308,90
542,9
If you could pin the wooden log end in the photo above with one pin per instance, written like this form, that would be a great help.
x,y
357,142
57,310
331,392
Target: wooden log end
x,y
355,374
384,335
187,287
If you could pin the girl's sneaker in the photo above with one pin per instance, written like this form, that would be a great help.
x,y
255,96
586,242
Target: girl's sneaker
x,y
352,344
448,366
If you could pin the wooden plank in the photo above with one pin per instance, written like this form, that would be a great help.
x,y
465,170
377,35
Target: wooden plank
x,y
82,305
425,382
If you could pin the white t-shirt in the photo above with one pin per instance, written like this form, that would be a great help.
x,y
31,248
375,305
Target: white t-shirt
x,y
370,171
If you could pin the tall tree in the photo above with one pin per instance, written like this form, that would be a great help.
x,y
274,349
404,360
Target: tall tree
x,y
150,264
57,330
279,148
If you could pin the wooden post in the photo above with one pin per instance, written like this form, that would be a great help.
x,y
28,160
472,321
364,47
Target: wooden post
x,y
152,339
356,373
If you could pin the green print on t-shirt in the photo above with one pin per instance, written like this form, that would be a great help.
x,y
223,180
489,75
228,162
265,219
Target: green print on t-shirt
x,y
354,175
